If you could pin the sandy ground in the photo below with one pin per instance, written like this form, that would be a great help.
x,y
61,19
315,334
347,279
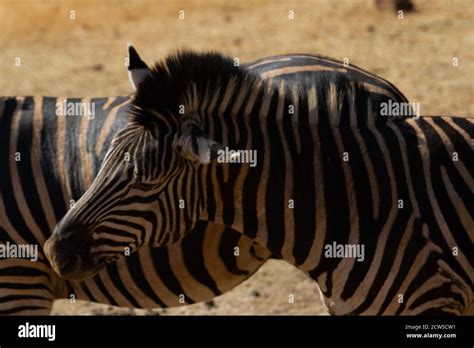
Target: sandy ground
x,y
84,56
267,292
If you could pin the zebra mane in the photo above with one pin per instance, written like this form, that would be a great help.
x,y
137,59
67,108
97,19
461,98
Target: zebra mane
x,y
185,79
189,80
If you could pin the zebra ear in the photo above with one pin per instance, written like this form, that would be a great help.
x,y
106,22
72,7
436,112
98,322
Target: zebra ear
x,y
137,69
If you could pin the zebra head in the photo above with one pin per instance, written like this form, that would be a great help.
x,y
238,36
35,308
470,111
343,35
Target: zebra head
x,y
146,192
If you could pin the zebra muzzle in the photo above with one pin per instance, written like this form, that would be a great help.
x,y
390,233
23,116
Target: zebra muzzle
x,y
70,256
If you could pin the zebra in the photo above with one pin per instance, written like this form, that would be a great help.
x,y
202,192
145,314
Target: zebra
x,y
194,270
201,266
29,208
374,208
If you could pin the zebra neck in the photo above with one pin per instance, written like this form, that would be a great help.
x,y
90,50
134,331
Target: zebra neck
x,y
309,191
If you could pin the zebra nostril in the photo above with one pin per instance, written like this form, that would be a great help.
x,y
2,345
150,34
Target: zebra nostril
x,y
72,238
69,255
71,233
69,249
72,265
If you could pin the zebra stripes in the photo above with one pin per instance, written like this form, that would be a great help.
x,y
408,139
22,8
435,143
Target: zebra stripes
x,y
333,174
60,157
197,269
37,191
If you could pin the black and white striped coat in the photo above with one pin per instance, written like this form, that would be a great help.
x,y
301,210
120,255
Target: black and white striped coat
x,y
335,173
60,156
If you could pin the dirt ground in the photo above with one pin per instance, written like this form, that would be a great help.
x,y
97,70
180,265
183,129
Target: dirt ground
x,y
428,55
